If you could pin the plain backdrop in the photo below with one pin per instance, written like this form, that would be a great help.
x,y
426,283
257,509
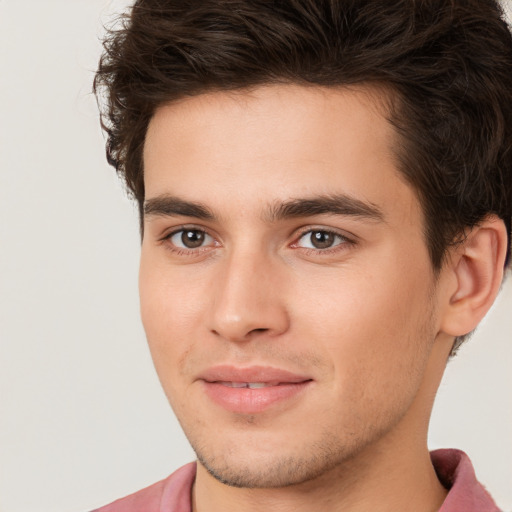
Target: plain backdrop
x,y
83,420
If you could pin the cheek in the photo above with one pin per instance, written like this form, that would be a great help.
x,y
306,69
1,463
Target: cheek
x,y
169,310
170,298
372,323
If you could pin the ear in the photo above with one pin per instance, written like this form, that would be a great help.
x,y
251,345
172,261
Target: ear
x,y
476,269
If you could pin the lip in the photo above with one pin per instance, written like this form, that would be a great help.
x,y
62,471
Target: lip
x,y
279,386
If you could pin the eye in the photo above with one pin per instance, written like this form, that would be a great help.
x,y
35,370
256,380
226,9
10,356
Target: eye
x,y
190,238
320,239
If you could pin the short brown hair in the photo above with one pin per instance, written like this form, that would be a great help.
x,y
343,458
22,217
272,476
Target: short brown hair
x,y
448,64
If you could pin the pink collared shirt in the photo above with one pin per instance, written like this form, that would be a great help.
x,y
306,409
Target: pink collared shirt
x,y
453,468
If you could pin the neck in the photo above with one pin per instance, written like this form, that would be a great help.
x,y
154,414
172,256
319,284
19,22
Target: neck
x,y
403,482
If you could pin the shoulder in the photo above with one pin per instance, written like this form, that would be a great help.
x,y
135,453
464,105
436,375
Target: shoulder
x,y
172,493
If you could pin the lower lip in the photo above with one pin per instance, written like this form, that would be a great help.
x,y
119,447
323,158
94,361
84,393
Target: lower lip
x,y
252,401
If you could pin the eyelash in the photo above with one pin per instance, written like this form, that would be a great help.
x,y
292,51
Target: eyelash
x,y
344,243
166,241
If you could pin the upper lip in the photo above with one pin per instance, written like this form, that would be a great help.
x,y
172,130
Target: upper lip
x,y
266,374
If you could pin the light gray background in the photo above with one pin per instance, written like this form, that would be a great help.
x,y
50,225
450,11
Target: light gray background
x,y
82,418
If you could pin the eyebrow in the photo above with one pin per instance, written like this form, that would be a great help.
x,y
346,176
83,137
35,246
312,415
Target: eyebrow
x,y
170,206
338,204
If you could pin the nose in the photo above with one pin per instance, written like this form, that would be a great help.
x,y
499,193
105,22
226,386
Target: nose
x,y
248,298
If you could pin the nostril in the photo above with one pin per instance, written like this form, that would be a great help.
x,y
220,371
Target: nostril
x,y
238,336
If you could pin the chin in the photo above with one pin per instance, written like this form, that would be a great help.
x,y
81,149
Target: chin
x,y
266,469
279,473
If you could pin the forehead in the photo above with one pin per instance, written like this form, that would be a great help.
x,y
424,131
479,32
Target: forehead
x,y
253,148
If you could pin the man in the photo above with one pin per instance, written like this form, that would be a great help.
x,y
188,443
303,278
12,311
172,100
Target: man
x,y
325,199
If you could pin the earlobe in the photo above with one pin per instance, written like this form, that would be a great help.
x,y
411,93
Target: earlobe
x,y
477,265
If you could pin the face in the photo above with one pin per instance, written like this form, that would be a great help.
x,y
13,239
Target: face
x,y
286,289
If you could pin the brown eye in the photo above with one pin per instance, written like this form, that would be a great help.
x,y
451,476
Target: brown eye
x,y
190,238
320,239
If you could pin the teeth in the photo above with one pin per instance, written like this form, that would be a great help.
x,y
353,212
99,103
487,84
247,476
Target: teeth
x,y
234,384
250,385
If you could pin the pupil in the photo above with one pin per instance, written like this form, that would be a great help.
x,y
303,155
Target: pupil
x,y
192,239
321,239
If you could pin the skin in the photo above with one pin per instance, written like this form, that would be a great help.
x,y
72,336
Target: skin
x,y
365,319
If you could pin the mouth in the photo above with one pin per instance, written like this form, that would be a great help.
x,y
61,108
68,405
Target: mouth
x,y
254,389
249,385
